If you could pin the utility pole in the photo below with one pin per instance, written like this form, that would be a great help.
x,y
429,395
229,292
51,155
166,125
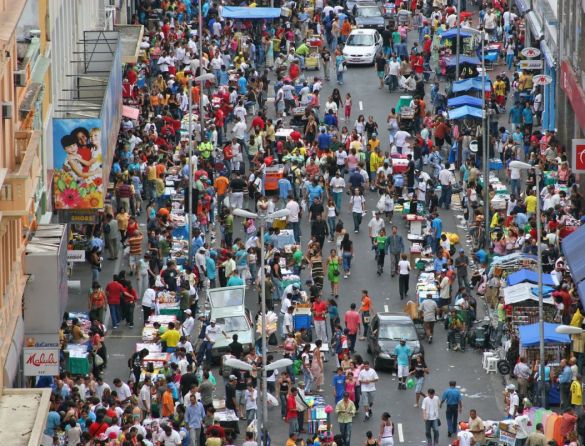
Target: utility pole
x,y
486,152
458,44
201,117
190,184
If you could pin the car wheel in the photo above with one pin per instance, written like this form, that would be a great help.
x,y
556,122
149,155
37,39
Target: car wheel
x,y
504,367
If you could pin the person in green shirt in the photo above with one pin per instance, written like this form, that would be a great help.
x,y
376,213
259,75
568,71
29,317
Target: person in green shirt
x,y
205,148
297,260
396,38
302,51
381,245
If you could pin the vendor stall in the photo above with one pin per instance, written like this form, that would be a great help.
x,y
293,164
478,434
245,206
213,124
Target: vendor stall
x,y
521,301
555,343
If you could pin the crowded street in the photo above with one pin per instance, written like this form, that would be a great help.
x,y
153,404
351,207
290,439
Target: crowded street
x,y
359,215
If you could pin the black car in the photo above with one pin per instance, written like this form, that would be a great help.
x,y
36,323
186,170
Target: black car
x,y
369,15
385,332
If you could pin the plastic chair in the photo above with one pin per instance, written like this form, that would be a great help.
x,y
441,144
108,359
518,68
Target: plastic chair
x,y
492,365
486,356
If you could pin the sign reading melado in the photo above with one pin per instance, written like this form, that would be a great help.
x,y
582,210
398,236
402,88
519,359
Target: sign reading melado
x,y
41,361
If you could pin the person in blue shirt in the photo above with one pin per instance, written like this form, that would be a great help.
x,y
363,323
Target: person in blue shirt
x,y
324,141
403,354
194,414
515,116
481,256
223,76
436,230
211,268
315,191
53,421
527,117
330,119
235,279
356,180
565,378
284,189
242,84
338,384
452,397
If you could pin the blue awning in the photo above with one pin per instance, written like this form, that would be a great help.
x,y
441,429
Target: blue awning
x,y
242,12
458,101
452,33
471,84
573,247
463,60
527,275
547,54
523,6
530,335
465,111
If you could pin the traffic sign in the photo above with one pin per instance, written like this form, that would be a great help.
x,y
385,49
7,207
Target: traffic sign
x,y
541,79
530,52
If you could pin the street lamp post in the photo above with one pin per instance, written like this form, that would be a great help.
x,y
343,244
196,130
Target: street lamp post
x,y
458,38
525,166
191,173
486,152
263,218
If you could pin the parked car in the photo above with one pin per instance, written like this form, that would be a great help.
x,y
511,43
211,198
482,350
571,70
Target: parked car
x,y
350,4
385,332
361,46
369,15
227,307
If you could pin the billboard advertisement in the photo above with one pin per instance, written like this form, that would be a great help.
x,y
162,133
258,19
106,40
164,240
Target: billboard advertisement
x,y
77,160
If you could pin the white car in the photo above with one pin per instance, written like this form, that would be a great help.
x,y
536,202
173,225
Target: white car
x,y
361,46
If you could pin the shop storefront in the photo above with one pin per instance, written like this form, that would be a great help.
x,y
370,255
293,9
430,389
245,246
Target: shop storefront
x,y
549,93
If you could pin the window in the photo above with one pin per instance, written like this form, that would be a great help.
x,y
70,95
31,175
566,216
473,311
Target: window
x,y
396,331
360,40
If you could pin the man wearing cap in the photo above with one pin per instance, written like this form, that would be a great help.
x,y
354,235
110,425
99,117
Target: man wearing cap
x,y
512,401
230,394
212,331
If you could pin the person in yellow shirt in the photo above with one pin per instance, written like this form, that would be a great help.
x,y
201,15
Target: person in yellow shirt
x,y
530,203
171,337
374,142
576,390
376,161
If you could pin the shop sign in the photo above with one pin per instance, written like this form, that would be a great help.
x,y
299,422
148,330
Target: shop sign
x,y
541,79
530,52
574,92
578,156
531,64
75,255
41,356
80,216
507,438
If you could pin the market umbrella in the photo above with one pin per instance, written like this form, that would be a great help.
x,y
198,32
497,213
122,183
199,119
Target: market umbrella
x,y
295,136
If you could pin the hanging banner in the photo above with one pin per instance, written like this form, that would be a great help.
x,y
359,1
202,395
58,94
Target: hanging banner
x,y
530,52
77,158
531,64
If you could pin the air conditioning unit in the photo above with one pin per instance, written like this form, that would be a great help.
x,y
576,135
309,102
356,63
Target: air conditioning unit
x,y
20,79
6,110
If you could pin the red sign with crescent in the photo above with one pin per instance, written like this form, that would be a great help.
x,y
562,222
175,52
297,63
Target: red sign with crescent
x,y
580,156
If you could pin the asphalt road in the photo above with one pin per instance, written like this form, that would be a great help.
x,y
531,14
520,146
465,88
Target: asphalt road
x,y
480,391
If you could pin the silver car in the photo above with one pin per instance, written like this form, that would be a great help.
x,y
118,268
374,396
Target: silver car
x,y
227,307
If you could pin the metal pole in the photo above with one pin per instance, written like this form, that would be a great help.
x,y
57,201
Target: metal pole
x,y
540,297
458,38
190,185
486,163
200,71
264,418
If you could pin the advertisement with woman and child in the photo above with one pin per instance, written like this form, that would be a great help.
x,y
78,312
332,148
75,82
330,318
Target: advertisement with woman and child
x,y
77,157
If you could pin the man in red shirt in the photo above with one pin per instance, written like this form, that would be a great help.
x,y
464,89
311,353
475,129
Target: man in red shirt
x,y
257,122
319,313
114,291
352,323
291,411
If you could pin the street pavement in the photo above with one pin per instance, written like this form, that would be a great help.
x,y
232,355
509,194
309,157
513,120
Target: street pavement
x,y
481,391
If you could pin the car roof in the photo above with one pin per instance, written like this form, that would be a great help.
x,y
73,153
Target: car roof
x,y
363,31
366,4
389,316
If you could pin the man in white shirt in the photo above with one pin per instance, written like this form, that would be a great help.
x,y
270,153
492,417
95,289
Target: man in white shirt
x,y
430,409
400,139
239,130
169,436
341,159
447,180
293,218
337,186
123,390
368,377
375,225
148,303
188,324
100,387
144,397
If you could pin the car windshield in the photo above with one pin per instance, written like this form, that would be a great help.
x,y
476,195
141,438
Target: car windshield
x,y
233,323
226,297
396,331
371,11
360,40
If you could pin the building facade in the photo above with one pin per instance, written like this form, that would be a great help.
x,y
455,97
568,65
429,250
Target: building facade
x,y
571,71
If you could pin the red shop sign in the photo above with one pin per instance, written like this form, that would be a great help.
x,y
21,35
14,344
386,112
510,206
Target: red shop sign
x,y
574,92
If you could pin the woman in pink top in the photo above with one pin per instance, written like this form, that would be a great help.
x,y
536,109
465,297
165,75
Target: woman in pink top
x,y
352,161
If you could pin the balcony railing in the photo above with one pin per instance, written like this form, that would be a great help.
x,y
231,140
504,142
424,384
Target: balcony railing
x,y
18,190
